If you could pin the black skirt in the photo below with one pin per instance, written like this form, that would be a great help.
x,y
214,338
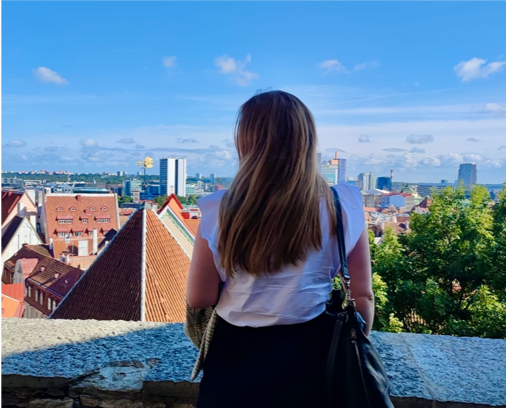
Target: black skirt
x,y
276,366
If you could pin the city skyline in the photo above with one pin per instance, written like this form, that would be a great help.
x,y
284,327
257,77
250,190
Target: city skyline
x,y
384,95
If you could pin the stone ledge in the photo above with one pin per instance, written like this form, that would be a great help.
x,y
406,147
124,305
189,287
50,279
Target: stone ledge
x,y
54,363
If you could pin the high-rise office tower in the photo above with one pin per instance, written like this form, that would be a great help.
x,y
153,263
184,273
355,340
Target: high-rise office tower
x,y
173,176
366,181
468,174
212,179
384,183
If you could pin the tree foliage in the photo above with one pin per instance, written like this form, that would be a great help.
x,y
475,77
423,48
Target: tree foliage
x,y
448,274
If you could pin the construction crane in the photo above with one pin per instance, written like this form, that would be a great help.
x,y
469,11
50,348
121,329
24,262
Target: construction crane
x,y
146,164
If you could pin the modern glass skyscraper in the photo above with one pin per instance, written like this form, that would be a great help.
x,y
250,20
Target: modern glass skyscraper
x,y
468,174
384,183
173,176
366,181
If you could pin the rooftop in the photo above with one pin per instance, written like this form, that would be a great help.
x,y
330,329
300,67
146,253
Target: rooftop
x,y
132,279
9,201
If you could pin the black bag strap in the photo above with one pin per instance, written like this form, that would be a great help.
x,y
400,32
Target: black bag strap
x,y
342,246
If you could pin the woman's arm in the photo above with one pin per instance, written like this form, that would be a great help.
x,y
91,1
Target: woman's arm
x,y
203,279
359,268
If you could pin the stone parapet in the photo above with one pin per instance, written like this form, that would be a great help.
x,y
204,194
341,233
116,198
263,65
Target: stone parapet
x,y
87,363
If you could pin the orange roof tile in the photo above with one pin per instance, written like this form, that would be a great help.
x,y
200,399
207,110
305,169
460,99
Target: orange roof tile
x,y
111,289
12,307
193,225
15,291
166,274
91,207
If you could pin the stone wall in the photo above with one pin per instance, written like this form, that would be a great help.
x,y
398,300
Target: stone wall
x,y
62,363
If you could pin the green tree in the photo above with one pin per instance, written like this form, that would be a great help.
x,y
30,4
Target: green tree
x,y
125,199
447,276
160,200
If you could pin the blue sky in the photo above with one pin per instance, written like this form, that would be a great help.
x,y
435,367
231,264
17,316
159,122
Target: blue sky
x,y
95,86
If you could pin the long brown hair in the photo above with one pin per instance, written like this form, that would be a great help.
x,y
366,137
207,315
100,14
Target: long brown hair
x,y
270,215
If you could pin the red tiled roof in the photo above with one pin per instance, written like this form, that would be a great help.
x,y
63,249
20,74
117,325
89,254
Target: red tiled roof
x,y
82,203
27,266
193,225
111,288
173,203
12,307
15,291
28,251
56,277
9,201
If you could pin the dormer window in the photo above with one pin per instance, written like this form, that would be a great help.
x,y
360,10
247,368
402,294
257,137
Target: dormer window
x,y
72,208
59,209
93,209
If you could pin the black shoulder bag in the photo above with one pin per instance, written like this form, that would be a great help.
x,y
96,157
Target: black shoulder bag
x,y
356,377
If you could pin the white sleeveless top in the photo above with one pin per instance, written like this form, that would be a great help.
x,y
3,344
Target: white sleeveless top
x,y
297,293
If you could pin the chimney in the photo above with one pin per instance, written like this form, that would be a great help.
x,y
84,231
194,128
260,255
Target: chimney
x,y
95,241
42,268
78,197
336,155
33,220
57,275
21,209
40,198
50,244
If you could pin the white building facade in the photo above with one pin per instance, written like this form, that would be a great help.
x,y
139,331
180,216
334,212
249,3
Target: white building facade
x,y
173,176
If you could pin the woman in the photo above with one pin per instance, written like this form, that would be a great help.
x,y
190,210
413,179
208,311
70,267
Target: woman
x,y
270,240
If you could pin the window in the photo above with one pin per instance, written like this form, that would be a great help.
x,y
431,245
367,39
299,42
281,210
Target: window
x,y
104,220
29,291
64,221
54,304
84,220
36,295
72,208
49,303
99,219
59,209
41,298
104,208
78,234
61,235
93,209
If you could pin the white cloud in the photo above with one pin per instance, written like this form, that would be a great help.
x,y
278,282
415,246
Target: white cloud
x,y
169,62
332,65
495,108
187,140
363,65
46,75
125,140
431,161
502,147
16,143
364,139
419,139
472,139
394,149
236,69
417,150
477,68
89,143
